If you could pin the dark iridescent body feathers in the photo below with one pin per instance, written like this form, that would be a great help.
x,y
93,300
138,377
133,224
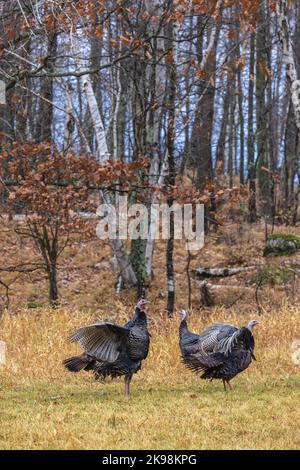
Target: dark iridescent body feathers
x,y
221,352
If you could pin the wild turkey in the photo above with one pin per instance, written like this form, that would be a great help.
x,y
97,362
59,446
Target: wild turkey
x,y
113,350
221,352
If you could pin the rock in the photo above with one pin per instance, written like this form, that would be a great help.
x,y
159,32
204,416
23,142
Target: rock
x,y
107,264
102,265
281,245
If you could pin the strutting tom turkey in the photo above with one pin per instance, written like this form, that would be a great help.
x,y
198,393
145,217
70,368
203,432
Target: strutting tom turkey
x,y
113,350
221,352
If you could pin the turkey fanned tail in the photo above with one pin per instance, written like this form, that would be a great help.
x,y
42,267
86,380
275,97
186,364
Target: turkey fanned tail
x,y
198,363
78,363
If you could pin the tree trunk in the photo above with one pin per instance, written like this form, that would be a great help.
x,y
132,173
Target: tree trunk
x,y
44,119
220,155
202,130
252,215
171,165
242,130
262,114
290,158
157,92
231,137
69,120
53,289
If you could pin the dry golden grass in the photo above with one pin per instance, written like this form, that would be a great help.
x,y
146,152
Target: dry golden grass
x,y
44,406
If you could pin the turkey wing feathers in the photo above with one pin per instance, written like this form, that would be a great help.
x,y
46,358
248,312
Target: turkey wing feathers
x,y
104,341
221,337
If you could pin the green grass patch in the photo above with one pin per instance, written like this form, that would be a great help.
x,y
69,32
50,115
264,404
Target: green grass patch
x,y
258,414
273,275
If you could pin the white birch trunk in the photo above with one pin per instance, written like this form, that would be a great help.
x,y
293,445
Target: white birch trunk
x,y
156,179
102,150
288,57
153,180
156,175
87,88
115,117
212,36
126,270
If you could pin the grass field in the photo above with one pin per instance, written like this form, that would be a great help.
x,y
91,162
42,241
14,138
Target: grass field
x,y
42,406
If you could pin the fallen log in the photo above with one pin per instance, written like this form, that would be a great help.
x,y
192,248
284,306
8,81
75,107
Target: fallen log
x,y
224,286
205,288
203,273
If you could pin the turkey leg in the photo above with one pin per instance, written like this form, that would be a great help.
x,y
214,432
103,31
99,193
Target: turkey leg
x,y
225,383
127,386
229,385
